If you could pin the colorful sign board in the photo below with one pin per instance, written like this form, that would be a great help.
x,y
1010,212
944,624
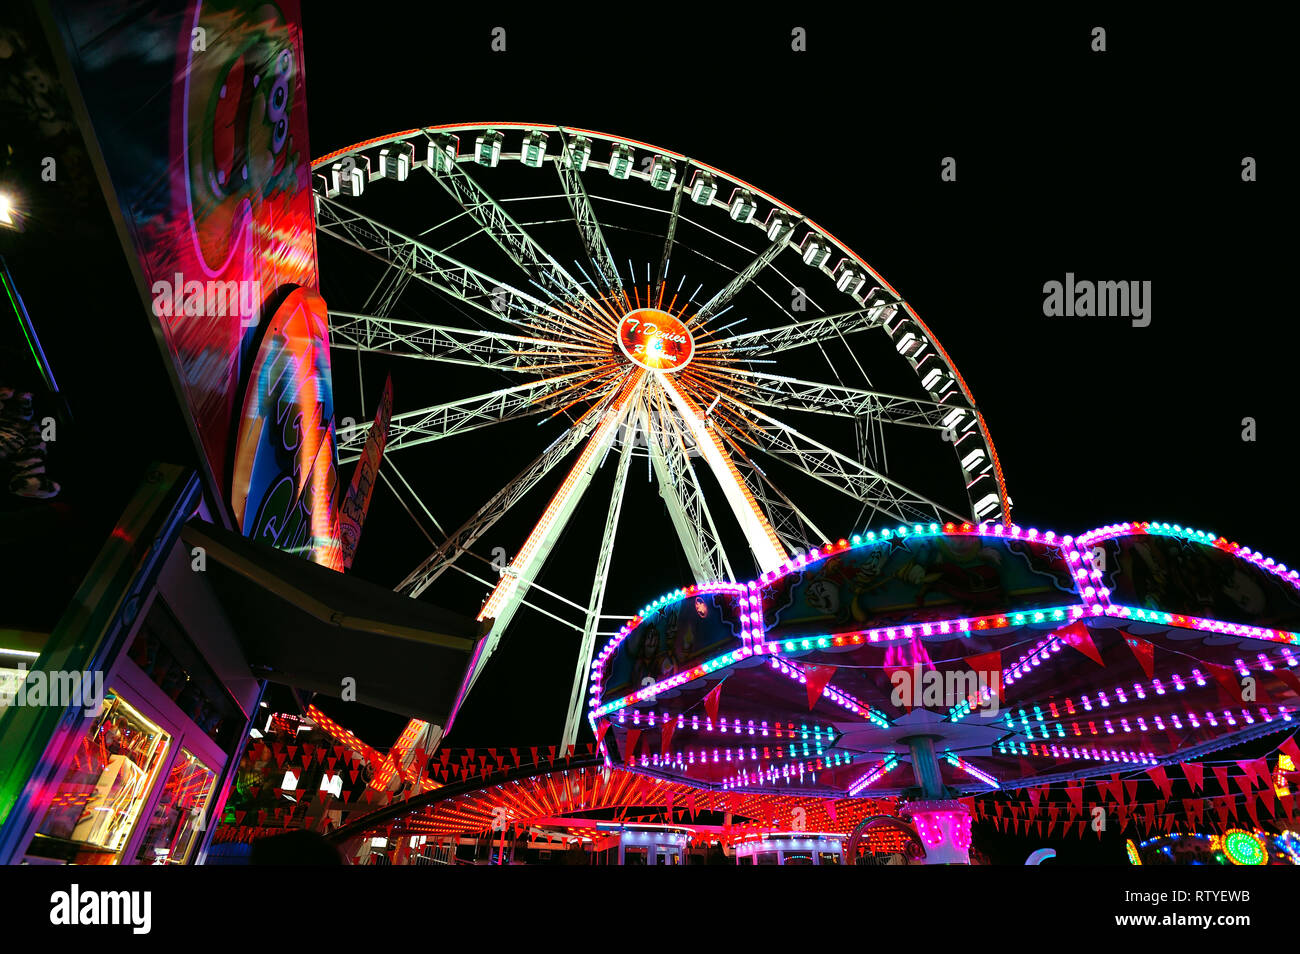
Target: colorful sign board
x,y
357,500
284,486
198,107
655,340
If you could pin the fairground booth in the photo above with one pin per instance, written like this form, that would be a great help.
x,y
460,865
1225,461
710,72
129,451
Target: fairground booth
x,y
173,488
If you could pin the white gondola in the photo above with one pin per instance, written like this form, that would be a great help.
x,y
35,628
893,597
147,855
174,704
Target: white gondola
x,y
443,149
663,173
533,152
395,161
848,277
778,225
743,206
350,175
703,188
620,161
578,153
487,148
815,250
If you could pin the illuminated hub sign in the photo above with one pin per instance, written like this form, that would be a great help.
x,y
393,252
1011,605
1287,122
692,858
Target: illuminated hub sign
x,y
655,340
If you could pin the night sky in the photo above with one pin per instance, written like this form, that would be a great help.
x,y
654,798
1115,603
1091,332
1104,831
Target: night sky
x,y
1123,165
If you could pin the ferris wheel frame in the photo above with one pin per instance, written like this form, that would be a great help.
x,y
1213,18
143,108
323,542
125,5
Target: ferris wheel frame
x,y
642,403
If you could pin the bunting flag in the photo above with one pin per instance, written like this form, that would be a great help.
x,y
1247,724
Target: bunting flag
x,y
1077,636
1228,681
1194,772
1251,769
711,703
1075,794
988,664
1159,776
1145,653
1247,784
666,735
816,678
1290,748
1221,775
601,728
633,739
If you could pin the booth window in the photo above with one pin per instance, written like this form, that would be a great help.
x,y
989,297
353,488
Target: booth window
x,y
178,813
167,656
93,811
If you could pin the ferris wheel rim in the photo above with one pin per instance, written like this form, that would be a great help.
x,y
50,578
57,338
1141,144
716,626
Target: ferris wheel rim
x,y
1004,500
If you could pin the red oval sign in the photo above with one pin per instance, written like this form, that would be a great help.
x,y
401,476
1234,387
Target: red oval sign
x,y
655,340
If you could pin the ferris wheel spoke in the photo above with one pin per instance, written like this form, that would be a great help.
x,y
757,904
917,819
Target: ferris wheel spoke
x,y
718,302
442,343
670,234
471,286
422,426
850,476
774,390
503,602
433,566
768,341
596,602
792,525
593,238
513,238
681,493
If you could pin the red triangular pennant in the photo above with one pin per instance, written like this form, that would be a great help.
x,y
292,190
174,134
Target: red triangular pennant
x,y
988,667
711,703
1144,652
1077,636
816,678
666,735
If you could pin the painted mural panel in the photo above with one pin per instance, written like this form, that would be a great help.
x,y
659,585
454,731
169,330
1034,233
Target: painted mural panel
x,y
916,580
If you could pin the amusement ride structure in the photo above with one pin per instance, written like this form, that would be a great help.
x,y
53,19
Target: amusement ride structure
x,y
662,308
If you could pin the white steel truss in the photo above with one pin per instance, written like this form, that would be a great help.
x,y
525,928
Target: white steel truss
x,y
513,238
596,602
433,566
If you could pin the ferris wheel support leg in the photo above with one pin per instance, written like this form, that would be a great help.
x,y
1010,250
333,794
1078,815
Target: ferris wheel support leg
x,y
763,541
596,603
504,600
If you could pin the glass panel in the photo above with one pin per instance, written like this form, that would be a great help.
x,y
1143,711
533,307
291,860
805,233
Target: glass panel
x,y
94,809
634,856
176,816
798,858
170,660
767,858
830,858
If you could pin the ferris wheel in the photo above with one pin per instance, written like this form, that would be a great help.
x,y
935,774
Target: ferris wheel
x,y
664,309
